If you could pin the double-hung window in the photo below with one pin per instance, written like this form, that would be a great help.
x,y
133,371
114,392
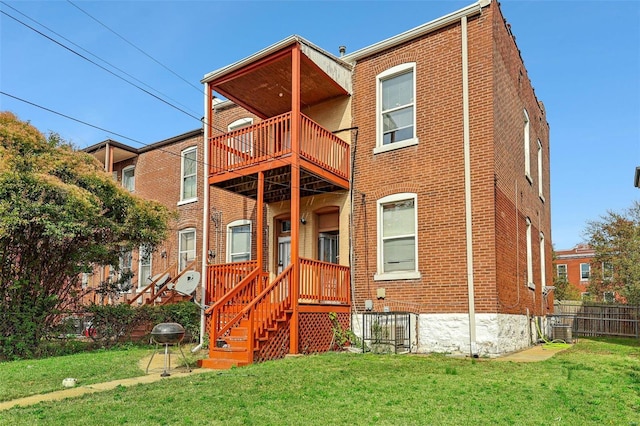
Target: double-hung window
x,y
540,180
239,241
530,283
397,237
144,267
562,271
188,175
527,147
585,271
396,108
186,247
128,178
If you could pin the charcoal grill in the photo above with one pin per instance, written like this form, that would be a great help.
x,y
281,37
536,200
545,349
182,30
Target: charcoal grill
x,y
167,333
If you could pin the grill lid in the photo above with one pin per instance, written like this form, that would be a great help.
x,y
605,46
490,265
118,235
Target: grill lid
x,y
168,332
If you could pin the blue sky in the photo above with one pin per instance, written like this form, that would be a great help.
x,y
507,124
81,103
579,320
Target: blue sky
x,y
583,58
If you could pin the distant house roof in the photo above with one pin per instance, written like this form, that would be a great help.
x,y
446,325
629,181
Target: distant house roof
x,y
579,251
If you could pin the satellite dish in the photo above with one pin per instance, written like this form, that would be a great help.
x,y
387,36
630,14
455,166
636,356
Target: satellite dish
x,y
159,279
188,283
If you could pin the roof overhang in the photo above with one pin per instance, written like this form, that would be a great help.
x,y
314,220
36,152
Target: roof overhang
x,y
436,24
636,181
261,83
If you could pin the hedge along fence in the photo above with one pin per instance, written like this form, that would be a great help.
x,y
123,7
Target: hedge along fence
x,y
111,324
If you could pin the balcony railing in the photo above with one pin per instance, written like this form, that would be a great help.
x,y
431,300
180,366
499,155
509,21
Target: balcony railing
x,y
270,140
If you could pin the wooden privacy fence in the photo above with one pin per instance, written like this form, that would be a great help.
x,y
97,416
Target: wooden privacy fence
x,y
597,319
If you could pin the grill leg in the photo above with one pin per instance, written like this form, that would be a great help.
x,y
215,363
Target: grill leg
x,y
165,373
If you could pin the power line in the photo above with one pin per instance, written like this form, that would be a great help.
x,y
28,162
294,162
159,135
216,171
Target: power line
x,y
134,46
98,65
94,55
125,80
203,163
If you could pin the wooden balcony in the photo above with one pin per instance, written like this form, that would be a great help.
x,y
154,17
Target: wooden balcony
x,y
236,157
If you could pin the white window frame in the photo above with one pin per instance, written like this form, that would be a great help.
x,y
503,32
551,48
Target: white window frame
x,y
540,179
396,275
607,271
184,152
530,282
142,280
543,264
230,227
566,274
182,251
527,146
588,272
380,78
133,178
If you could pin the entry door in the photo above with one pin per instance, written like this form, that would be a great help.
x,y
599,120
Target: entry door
x,y
284,253
328,246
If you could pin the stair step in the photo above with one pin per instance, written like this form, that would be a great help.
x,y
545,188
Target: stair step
x,y
233,354
239,332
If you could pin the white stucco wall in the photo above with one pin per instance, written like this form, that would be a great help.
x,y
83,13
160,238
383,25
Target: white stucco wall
x,y
496,334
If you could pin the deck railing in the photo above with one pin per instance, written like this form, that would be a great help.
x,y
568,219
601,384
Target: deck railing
x,y
224,277
224,311
270,140
323,282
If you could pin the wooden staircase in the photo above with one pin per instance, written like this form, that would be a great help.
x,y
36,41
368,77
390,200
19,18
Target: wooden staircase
x,y
245,320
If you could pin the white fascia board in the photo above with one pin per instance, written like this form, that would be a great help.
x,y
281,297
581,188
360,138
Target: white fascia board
x,y
266,52
411,34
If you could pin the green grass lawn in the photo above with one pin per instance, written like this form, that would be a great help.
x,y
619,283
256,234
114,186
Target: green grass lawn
x,y
34,376
595,382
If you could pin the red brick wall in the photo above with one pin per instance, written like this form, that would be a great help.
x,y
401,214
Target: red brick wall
x,y
228,206
434,169
516,196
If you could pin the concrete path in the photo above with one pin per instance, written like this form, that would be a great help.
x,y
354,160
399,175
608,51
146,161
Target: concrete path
x,y
532,354
155,370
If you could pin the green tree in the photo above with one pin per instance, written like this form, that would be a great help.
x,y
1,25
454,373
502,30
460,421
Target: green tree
x,y
616,265
60,213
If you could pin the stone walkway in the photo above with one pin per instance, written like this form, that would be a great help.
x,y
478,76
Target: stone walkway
x,y
533,354
154,375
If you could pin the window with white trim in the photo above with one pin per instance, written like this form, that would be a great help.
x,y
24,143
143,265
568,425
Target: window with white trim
x,y
397,237
186,247
188,174
530,283
241,143
543,275
585,271
144,266
561,270
396,108
239,241
540,180
527,147
607,271
128,178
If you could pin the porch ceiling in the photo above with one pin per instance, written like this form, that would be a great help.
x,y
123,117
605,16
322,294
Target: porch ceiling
x,y
277,185
264,87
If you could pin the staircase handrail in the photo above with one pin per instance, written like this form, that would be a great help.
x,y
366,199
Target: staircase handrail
x,y
165,287
152,285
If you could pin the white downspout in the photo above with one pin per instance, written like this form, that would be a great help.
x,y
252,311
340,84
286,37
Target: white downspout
x,y
205,215
467,187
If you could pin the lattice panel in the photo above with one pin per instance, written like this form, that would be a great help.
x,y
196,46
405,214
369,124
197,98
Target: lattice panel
x,y
315,331
277,345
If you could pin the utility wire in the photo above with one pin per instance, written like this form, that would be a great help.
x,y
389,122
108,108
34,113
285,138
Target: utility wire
x,y
203,163
99,66
134,85
95,56
135,47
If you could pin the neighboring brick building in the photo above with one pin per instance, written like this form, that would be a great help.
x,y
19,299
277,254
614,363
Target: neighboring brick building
x,y
408,176
169,172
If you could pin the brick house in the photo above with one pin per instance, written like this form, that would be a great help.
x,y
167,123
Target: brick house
x,y
170,172
409,177
419,166
574,265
